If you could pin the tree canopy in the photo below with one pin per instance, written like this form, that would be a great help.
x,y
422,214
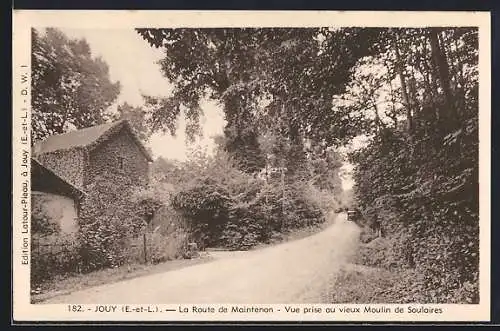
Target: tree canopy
x,y
270,79
70,87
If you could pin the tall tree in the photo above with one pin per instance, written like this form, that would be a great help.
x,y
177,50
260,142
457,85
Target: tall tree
x,y
426,183
70,87
265,79
399,66
136,116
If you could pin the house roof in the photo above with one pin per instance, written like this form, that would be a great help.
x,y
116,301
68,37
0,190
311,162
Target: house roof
x,y
87,138
46,180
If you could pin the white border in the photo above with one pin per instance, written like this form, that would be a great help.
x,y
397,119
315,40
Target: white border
x,y
23,20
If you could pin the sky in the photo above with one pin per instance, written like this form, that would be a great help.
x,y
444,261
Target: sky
x,y
133,63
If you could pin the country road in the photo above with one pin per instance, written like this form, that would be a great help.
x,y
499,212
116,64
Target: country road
x,y
298,271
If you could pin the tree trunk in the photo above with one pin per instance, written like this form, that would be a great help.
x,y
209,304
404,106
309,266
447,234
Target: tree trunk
x,y
431,74
459,68
423,68
441,65
378,121
413,98
393,116
406,99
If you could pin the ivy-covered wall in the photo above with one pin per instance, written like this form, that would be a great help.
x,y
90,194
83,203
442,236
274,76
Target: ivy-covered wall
x,y
69,164
120,155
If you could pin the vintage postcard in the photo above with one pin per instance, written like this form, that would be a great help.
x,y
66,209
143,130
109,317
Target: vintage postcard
x,y
251,166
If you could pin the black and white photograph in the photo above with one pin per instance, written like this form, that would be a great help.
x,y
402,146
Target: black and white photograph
x,y
266,169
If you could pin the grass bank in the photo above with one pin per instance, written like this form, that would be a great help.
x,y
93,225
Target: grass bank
x,y
368,278
358,284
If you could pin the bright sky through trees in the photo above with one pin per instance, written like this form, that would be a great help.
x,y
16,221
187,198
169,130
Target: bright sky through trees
x,y
132,62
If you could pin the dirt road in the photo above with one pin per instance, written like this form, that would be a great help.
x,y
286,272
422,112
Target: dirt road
x,y
297,271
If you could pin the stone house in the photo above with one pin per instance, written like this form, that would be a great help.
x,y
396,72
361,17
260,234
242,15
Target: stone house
x,y
76,158
55,198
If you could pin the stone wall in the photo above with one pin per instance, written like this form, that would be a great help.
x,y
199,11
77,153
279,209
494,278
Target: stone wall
x,y
119,155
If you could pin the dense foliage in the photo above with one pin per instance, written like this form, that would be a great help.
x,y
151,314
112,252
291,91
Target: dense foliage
x,y
275,87
119,219
52,255
266,80
136,116
226,207
71,89
107,220
420,180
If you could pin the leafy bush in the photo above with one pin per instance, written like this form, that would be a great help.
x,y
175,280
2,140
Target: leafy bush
x,y
364,285
303,207
168,233
424,190
376,253
206,204
159,247
227,207
367,234
53,255
116,216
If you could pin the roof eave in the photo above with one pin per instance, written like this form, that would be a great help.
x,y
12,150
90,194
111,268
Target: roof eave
x,y
78,191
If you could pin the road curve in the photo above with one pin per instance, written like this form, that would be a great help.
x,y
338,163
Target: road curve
x,y
297,271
